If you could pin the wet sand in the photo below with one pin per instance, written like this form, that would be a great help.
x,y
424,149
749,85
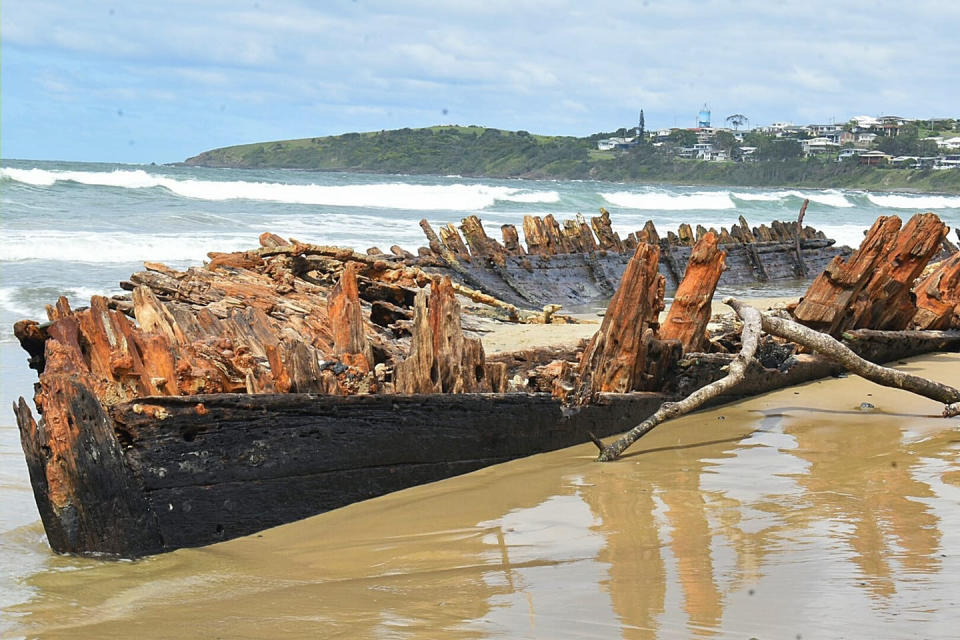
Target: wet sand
x,y
794,514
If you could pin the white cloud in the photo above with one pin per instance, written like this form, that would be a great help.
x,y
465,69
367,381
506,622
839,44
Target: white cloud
x,y
555,66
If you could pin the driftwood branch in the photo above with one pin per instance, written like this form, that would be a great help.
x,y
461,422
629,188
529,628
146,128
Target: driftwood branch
x,y
836,351
668,410
753,322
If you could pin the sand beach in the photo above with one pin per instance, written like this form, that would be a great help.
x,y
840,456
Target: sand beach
x,y
794,514
827,507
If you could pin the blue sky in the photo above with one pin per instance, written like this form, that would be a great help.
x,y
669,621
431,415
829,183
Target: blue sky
x,y
161,81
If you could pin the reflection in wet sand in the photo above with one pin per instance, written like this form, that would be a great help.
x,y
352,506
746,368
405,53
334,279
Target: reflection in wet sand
x,y
790,514
890,528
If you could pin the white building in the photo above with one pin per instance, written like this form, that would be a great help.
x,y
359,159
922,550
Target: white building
x,y
614,143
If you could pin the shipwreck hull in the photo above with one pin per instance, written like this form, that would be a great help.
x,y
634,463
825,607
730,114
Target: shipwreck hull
x,y
577,278
169,472
278,383
575,263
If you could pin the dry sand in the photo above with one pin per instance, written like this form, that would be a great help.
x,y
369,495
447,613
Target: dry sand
x,y
502,336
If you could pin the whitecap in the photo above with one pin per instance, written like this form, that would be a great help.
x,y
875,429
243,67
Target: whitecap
x,y
829,197
898,201
10,302
773,196
659,200
393,195
850,235
114,247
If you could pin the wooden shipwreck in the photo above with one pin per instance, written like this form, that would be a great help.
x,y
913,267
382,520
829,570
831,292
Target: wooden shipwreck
x,y
575,262
277,383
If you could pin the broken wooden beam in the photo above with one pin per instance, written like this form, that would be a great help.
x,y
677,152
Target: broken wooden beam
x,y
873,289
938,297
608,239
441,359
617,358
691,309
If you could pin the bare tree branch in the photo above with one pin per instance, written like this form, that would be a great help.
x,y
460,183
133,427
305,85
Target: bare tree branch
x,y
753,322
669,410
826,345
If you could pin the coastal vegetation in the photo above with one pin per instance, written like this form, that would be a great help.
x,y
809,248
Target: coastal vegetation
x,y
486,152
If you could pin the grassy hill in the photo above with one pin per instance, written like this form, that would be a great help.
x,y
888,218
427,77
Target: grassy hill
x,y
434,150
479,151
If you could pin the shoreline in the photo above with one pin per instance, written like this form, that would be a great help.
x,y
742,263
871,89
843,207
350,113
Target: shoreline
x,y
526,177
547,178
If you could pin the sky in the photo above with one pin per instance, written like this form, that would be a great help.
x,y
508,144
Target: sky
x,y
161,81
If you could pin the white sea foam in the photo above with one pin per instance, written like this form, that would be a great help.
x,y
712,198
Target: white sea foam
x,y
111,247
394,195
10,303
760,197
662,201
897,201
829,197
850,235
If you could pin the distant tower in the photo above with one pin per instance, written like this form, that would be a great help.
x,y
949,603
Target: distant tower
x,y
703,118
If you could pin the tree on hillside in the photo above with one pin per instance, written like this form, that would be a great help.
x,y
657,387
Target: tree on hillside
x,y
904,144
779,149
737,120
726,141
683,137
641,126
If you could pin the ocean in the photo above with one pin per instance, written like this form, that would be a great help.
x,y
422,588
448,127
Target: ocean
x,y
77,229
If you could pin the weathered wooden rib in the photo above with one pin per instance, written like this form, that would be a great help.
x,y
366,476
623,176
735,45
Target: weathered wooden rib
x,y
310,411
573,262
874,288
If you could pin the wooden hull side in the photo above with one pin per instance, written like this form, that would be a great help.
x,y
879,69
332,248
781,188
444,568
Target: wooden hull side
x,y
88,498
243,463
168,472
576,278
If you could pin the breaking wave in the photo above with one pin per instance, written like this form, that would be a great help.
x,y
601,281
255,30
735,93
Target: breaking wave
x,y
897,201
24,302
830,197
114,247
655,200
394,195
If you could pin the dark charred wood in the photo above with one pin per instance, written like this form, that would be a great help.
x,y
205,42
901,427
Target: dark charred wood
x,y
89,498
386,314
210,468
374,290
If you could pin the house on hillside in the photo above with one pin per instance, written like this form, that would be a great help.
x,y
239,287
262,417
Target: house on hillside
x,y
609,144
818,146
874,158
850,153
951,144
864,123
951,161
890,125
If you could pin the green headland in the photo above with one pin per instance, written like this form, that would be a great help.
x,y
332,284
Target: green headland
x,y
750,159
